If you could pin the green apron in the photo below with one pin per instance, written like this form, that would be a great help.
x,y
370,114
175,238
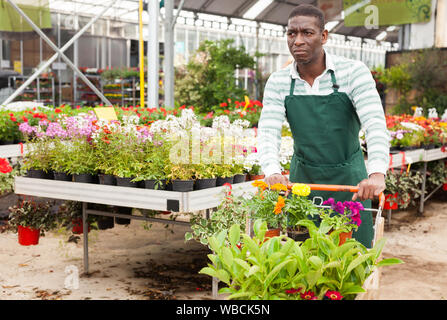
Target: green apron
x,y
325,130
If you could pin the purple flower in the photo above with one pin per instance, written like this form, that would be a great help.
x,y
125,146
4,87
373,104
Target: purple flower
x,y
329,201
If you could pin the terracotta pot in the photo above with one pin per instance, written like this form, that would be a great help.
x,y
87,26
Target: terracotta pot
x,y
28,236
256,176
344,236
270,233
444,187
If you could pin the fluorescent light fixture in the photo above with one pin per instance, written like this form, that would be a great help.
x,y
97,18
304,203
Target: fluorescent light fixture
x,y
256,9
381,36
330,25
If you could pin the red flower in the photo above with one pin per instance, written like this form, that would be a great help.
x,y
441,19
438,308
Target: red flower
x,y
25,119
227,111
209,115
57,110
13,119
4,166
334,295
308,295
223,104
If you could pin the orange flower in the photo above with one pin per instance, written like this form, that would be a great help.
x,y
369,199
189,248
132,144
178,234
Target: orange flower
x,y
278,187
260,184
279,205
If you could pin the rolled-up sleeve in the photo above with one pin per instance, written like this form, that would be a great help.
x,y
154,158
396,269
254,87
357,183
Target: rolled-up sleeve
x,y
270,126
368,105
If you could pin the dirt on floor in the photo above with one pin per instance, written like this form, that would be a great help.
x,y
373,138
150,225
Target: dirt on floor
x,y
130,262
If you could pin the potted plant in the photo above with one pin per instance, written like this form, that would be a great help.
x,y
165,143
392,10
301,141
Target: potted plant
x,y
82,164
228,212
298,207
238,173
31,220
205,176
181,176
224,174
255,173
268,205
37,161
59,158
342,217
283,269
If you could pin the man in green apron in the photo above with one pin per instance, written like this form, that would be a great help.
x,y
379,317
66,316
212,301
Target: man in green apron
x,y
325,99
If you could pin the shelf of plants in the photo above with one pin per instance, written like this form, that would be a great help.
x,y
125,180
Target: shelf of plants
x,y
161,200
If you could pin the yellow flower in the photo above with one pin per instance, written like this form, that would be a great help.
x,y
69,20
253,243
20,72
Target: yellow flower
x,y
301,189
279,205
278,187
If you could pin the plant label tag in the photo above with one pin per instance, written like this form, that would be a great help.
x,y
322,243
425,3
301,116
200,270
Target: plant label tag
x,y
106,113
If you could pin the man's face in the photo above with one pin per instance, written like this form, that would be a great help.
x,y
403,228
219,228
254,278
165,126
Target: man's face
x,y
305,39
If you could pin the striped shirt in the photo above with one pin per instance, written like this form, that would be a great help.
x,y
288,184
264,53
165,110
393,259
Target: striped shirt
x,y
355,79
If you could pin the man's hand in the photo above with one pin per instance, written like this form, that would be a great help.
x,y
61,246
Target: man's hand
x,y
277,178
371,187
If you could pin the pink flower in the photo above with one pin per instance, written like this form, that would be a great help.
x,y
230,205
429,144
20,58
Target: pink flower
x,y
334,295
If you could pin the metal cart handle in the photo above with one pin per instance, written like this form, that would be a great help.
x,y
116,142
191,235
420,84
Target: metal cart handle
x,y
342,188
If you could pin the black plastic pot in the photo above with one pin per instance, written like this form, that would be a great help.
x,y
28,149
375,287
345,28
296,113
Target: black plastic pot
x,y
182,185
239,178
62,176
107,179
429,146
126,182
298,235
205,183
221,181
38,174
122,210
83,177
5,142
106,223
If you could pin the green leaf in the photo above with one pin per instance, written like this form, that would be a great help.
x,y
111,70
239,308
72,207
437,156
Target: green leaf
x,y
240,295
242,263
213,258
357,261
312,277
223,276
316,262
209,271
292,267
234,234
389,262
252,271
274,273
227,257
378,247
353,289
214,244
259,228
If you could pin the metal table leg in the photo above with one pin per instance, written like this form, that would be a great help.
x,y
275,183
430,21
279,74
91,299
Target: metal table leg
x,y
421,205
389,217
85,232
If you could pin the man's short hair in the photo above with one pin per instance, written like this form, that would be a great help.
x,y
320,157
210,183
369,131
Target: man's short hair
x,y
308,10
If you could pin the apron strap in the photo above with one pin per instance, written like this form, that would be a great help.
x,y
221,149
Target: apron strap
x,y
334,81
292,86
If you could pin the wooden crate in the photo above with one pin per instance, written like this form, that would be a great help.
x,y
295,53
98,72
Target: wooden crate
x,y
371,284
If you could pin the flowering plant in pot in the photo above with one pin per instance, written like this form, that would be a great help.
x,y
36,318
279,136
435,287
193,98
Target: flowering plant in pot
x,y
298,207
268,205
238,173
60,159
291,270
31,220
342,217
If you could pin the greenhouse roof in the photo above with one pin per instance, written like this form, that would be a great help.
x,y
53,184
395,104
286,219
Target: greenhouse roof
x,y
269,11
